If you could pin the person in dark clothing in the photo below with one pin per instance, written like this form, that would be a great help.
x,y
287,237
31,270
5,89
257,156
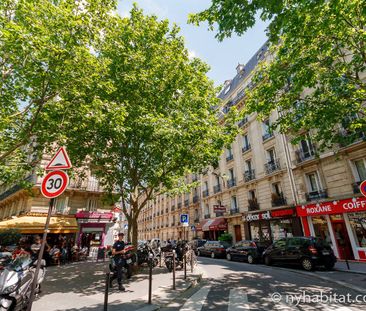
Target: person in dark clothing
x,y
118,256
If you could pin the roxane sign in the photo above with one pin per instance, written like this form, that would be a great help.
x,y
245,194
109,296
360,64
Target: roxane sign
x,y
335,207
54,184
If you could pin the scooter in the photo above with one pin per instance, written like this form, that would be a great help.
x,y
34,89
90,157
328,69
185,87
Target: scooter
x,y
16,283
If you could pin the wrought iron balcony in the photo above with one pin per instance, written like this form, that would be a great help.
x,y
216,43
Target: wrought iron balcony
x,y
8,191
231,183
249,175
243,122
253,205
205,193
316,195
217,188
356,187
234,211
267,136
207,216
278,200
195,198
246,148
229,158
302,155
272,166
186,202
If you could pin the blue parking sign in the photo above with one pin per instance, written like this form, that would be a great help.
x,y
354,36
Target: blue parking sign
x,y
184,219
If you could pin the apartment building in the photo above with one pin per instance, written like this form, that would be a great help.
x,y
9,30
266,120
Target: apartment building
x,y
263,187
78,214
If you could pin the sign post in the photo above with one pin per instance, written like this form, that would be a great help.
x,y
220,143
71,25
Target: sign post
x,y
53,185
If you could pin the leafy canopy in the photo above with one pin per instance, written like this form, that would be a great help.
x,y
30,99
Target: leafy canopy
x,y
316,78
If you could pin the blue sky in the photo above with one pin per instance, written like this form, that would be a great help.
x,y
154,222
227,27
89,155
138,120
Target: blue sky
x,y
223,57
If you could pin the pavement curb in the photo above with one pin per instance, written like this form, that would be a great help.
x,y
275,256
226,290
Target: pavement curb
x,y
350,271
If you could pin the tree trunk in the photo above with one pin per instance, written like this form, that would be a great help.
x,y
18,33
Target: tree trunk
x,y
129,232
134,231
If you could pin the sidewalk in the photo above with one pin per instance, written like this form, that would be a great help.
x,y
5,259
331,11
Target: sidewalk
x,y
80,286
355,266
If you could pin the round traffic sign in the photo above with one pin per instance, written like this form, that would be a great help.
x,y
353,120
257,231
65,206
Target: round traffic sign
x,y
54,184
363,188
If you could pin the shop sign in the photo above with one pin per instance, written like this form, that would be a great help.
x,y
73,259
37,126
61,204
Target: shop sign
x,y
283,213
219,208
93,215
259,216
335,207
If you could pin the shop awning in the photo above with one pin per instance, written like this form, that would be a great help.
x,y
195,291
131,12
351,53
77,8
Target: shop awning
x,y
201,224
218,224
35,224
206,226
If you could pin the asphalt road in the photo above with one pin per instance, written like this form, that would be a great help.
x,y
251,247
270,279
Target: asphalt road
x,y
232,286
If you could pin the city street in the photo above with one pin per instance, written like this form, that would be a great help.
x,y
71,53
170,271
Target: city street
x,y
240,286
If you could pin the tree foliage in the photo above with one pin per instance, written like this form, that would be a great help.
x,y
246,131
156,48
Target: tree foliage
x,y
47,61
316,78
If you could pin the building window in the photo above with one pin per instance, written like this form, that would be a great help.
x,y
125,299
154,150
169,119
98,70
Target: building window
x,y
229,154
313,182
360,169
276,189
251,194
246,143
358,224
271,155
61,205
234,204
231,174
266,133
92,205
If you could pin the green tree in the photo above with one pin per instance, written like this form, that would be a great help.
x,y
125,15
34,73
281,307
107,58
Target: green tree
x,y
164,123
316,78
47,61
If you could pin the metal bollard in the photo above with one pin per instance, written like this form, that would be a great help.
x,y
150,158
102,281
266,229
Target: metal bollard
x,y
174,269
185,266
150,276
192,253
107,278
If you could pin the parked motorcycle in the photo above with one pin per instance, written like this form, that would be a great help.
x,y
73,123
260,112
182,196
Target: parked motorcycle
x,y
16,283
180,249
5,259
143,254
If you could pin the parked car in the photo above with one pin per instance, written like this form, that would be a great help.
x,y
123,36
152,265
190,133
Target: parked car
x,y
213,249
248,250
308,252
196,243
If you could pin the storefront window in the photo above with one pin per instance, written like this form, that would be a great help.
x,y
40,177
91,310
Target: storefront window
x,y
358,224
254,231
281,228
321,228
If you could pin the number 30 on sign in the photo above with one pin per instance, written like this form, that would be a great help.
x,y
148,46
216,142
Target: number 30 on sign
x,y
54,184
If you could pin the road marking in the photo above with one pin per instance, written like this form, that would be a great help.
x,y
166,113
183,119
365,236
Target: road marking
x,y
238,300
196,301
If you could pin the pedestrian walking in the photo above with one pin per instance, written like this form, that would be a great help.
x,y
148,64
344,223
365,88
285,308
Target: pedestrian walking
x,y
119,260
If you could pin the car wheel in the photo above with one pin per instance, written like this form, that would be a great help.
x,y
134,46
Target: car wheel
x,y
198,253
267,261
307,264
228,257
212,255
250,259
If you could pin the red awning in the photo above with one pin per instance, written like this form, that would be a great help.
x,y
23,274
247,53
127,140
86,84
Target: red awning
x,y
218,224
201,224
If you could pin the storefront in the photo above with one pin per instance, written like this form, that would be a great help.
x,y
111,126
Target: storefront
x,y
272,225
212,228
341,223
93,227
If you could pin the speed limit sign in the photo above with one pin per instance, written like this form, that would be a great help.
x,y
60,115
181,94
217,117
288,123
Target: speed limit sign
x,y
54,184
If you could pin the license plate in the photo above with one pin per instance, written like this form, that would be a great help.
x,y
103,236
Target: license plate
x,y
129,261
326,253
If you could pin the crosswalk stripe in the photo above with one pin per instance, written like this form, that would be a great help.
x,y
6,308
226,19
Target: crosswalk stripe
x,y
196,301
238,300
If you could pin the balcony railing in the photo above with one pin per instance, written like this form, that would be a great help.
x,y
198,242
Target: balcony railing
x,y
86,185
272,166
316,195
207,216
234,211
356,187
246,148
267,136
278,200
249,175
186,202
302,155
253,205
231,183
217,188
195,198
243,122
205,193
229,157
